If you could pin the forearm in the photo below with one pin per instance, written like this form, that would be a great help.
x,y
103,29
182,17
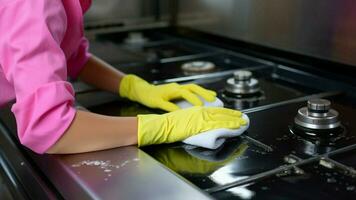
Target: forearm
x,y
102,75
92,132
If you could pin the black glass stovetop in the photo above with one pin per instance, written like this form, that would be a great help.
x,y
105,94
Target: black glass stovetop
x,y
310,181
266,146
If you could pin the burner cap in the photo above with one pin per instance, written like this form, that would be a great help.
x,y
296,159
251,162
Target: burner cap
x,y
242,83
318,116
135,38
198,66
242,75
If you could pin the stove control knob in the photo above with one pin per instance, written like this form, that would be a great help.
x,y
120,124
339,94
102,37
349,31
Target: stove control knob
x,y
319,105
242,75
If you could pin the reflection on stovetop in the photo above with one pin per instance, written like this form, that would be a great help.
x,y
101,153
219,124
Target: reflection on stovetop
x,y
267,145
122,107
311,181
210,168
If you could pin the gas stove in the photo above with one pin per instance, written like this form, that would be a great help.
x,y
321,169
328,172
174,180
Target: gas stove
x,y
302,137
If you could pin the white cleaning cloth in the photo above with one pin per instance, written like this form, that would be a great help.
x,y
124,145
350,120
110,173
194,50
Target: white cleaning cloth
x,y
186,104
213,139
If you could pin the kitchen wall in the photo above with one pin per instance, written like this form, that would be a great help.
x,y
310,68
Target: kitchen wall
x,y
321,28
127,12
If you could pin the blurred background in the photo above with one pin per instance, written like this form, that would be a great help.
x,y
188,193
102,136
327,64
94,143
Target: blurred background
x,y
320,28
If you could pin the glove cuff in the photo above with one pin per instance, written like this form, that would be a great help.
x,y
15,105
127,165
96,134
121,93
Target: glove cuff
x,y
150,129
127,85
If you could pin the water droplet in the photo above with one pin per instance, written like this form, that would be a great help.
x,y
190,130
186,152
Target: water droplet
x,y
289,159
331,180
107,170
299,171
350,188
326,164
264,188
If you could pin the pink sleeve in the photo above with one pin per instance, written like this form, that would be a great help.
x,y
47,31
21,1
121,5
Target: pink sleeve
x,y
32,60
79,58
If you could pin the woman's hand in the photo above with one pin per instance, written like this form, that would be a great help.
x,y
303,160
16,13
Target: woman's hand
x,y
181,124
160,96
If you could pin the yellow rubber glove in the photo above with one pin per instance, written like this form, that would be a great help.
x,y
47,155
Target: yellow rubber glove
x,y
181,124
137,89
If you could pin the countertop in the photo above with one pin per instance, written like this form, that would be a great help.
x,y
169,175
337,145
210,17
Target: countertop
x,y
120,173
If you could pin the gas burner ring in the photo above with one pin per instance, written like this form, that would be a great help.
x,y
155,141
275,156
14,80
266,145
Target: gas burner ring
x,y
318,123
198,66
318,116
317,120
319,137
242,83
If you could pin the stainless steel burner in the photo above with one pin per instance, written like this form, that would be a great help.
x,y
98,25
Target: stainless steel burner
x,y
242,83
318,115
198,66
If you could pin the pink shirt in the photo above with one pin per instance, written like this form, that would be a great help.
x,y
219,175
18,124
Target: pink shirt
x,y
41,43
